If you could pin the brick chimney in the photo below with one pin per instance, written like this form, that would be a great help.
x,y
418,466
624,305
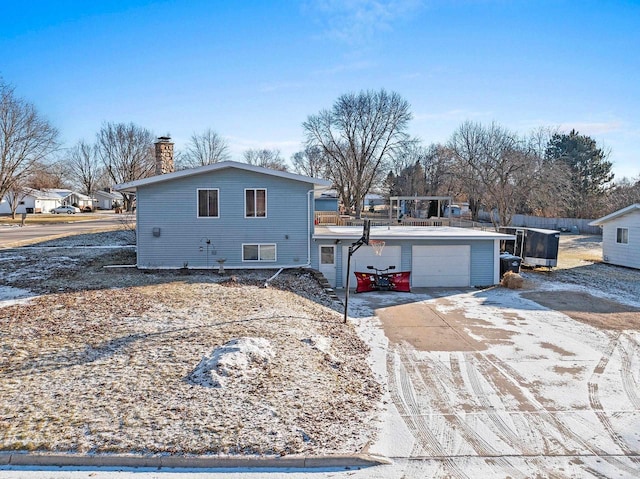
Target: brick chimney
x,y
164,155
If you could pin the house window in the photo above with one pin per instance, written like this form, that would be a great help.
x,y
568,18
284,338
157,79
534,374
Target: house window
x,y
622,235
258,252
255,203
208,203
327,255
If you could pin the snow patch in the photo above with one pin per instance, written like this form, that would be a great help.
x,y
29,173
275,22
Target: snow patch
x,y
319,343
10,296
236,359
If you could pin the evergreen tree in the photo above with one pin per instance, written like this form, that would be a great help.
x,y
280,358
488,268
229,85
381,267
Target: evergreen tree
x,y
589,168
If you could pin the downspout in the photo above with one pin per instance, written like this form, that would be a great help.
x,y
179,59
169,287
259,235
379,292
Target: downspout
x,y
308,263
309,224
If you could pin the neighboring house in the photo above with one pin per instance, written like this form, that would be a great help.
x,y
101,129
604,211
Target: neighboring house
x,y
373,201
69,197
456,210
621,236
34,201
248,216
106,199
327,201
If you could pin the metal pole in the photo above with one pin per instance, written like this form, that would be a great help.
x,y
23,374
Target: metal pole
x,y
346,291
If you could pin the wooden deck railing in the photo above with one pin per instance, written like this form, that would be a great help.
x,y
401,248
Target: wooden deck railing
x,y
328,218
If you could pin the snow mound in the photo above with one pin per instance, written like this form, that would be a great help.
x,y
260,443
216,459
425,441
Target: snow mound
x,y
323,344
236,359
319,343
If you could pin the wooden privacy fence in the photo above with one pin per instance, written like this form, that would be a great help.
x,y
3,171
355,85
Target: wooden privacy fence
x,y
575,225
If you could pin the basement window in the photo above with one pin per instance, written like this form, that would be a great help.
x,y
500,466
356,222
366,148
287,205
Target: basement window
x,y
622,235
259,252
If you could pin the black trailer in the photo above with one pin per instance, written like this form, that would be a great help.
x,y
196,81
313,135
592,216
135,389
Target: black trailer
x,y
536,246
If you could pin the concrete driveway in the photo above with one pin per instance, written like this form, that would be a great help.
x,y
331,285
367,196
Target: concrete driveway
x,y
486,383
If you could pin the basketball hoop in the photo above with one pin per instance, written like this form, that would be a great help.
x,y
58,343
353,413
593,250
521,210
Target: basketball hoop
x,y
377,246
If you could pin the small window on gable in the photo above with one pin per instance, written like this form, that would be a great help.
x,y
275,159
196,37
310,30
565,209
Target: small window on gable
x,y
255,203
622,235
208,203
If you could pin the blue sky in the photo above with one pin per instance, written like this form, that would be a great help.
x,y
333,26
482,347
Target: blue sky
x,y
254,70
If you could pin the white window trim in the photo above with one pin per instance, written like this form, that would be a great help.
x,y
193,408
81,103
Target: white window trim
x,y
266,203
259,245
627,235
198,190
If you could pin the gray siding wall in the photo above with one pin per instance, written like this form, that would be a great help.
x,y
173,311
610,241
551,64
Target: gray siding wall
x,y
482,263
482,257
622,254
172,207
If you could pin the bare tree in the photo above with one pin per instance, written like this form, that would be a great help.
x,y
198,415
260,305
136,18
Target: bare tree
x,y
127,153
25,138
265,158
85,167
205,148
52,174
466,145
358,136
551,190
500,164
310,162
625,192
16,193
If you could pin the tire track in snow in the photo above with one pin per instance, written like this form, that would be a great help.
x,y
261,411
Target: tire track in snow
x,y
437,379
629,382
553,421
403,395
479,444
504,430
594,394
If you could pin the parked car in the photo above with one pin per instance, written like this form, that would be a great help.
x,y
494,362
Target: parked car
x,y
70,210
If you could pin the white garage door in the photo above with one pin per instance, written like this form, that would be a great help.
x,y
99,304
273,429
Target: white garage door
x,y
366,257
441,266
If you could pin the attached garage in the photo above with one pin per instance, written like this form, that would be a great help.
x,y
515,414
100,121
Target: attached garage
x,y
436,256
391,256
433,266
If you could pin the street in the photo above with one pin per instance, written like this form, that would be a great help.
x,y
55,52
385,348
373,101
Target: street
x,y
15,235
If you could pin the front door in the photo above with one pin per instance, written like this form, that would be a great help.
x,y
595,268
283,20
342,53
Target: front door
x,y
328,263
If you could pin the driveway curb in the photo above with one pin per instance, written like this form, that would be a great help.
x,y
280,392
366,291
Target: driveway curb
x,y
197,462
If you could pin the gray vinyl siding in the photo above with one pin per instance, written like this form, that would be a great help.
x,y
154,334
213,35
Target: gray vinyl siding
x,y
619,253
172,207
482,263
406,255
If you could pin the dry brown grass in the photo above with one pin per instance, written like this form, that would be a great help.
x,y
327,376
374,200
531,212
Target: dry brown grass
x,y
47,218
107,370
512,280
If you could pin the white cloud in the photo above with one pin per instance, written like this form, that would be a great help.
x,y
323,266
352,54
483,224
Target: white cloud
x,y
452,115
357,21
592,128
345,67
276,86
239,145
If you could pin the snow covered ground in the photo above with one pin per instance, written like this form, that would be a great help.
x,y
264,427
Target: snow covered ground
x,y
486,383
98,359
